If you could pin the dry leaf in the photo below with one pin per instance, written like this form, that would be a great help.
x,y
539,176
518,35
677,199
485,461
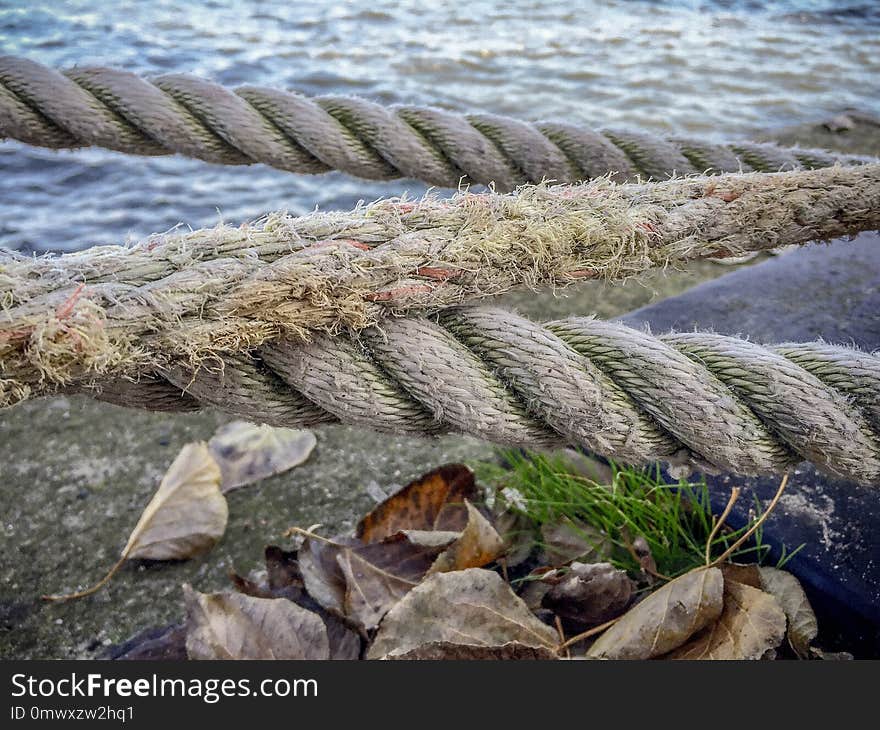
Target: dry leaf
x,y
751,624
236,626
430,538
565,541
188,513
247,452
367,580
282,568
377,576
283,580
749,574
471,607
321,573
478,545
589,593
444,650
666,619
185,517
429,525
532,592
802,624
435,501
361,582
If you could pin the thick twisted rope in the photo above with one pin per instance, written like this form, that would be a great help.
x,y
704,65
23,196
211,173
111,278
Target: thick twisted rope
x,y
117,311
181,114
696,399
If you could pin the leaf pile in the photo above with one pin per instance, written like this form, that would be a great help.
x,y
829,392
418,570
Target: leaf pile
x,y
424,576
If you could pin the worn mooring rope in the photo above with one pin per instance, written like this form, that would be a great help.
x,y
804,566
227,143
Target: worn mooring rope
x,y
118,311
696,399
182,114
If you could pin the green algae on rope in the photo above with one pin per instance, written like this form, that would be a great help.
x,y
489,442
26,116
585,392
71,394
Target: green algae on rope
x,y
125,311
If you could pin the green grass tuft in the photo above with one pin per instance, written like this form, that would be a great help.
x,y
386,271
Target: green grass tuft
x,y
674,519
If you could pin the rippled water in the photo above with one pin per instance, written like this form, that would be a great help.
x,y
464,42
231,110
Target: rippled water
x,y
714,68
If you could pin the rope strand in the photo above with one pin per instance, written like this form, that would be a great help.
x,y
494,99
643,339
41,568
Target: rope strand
x,y
689,399
181,114
122,312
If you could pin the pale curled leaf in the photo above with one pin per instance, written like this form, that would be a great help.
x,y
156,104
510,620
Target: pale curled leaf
x,y
802,624
751,625
247,452
236,626
430,538
666,619
185,517
478,545
471,607
188,513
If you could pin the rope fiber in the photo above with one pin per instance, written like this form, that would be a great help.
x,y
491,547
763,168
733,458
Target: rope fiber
x,y
119,311
690,399
186,115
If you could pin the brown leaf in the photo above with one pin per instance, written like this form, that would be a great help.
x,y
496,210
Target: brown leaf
x,y
344,642
251,587
282,567
471,607
435,501
321,573
590,593
444,650
377,576
247,452
361,582
478,545
236,626
565,541
802,624
666,619
747,574
751,624
532,593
